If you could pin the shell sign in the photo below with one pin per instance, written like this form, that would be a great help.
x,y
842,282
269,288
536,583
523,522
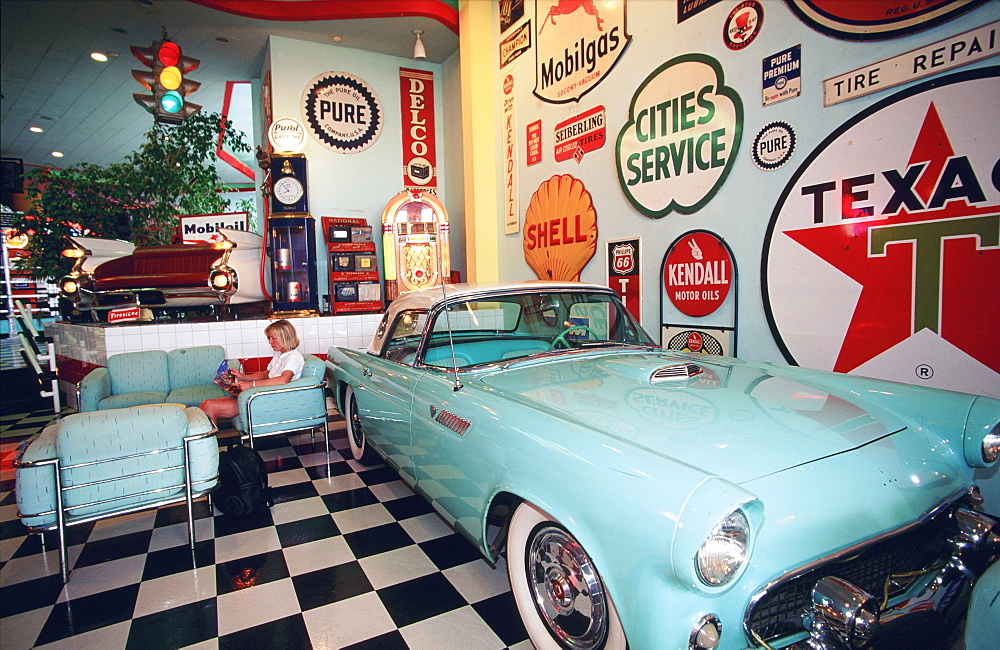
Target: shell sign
x,y
681,138
560,229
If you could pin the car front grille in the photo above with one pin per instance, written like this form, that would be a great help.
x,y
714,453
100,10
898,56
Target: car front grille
x,y
880,569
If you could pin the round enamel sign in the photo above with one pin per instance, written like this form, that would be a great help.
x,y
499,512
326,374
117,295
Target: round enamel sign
x,y
697,273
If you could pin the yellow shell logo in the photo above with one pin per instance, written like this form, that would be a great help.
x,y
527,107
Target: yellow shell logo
x,y
560,229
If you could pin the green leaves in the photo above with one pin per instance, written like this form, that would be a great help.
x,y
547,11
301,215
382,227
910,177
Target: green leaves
x,y
172,173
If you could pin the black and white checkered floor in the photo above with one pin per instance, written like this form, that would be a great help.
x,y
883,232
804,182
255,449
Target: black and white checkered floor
x,y
350,560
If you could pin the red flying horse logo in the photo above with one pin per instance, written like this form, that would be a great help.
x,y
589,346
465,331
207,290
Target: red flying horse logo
x,y
566,7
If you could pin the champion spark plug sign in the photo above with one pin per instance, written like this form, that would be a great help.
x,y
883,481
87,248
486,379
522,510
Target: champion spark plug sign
x,y
682,137
882,257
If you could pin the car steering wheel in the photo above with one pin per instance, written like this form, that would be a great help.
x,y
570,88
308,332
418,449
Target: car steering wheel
x,y
562,336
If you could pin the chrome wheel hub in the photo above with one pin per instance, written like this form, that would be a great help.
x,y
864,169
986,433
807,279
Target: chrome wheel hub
x,y
567,590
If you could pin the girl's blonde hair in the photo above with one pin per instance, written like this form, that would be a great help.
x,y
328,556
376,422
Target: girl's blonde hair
x,y
284,333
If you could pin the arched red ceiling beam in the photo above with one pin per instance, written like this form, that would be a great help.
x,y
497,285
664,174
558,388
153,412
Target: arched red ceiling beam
x,y
305,10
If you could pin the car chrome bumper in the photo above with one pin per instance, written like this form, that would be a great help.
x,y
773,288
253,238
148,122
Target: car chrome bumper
x,y
918,579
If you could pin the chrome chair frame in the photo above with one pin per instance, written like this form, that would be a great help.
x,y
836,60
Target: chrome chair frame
x,y
65,519
249,435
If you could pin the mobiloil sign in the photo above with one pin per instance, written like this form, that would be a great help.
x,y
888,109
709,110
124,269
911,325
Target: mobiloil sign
x,y
681,138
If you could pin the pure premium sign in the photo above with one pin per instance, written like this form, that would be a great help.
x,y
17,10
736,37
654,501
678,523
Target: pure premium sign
x,y
681,138
577,44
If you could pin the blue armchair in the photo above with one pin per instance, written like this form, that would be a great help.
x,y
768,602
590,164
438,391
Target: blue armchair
x,y
299,404
100,464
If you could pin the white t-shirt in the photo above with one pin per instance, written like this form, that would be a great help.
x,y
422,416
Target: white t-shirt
x,y
282,361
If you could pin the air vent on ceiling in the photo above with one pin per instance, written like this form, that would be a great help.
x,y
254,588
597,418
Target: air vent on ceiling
x,y
675,371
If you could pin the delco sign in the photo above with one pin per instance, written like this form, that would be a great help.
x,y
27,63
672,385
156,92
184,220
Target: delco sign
x,y
681,138
577,44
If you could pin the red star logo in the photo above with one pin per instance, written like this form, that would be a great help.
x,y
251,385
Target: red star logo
x,y
895,294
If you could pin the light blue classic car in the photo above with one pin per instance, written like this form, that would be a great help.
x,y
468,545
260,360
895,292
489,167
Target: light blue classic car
x,y
658,499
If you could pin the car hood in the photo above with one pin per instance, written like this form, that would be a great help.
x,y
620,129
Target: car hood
x,y
735,419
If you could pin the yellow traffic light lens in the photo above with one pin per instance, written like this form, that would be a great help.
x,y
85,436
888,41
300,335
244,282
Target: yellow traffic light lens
x,y
170,78
172,102
169,53
69,286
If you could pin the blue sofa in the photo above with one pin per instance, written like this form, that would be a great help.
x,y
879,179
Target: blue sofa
x,y
181,376
99,464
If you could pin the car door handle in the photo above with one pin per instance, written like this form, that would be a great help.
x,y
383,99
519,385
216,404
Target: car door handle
x,y
366,372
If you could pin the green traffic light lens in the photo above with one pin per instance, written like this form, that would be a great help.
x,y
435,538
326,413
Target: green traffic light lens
x,y
171,102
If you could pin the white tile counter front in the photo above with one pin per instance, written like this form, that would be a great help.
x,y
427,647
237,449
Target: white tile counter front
x,y
81,348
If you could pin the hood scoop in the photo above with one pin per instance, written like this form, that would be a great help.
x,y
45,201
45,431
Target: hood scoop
x,y
676,371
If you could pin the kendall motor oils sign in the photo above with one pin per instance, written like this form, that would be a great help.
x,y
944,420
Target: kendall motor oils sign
x,y
882,257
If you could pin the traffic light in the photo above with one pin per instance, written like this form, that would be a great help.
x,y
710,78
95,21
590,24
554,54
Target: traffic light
x,y
165,79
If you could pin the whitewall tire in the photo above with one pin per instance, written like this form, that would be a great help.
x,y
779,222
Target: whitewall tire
x,y
356,437
559,594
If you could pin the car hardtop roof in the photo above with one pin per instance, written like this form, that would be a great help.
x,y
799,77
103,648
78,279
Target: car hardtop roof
x,y
427,298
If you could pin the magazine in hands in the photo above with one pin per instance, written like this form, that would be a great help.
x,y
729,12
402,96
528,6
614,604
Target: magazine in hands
x,y
224,378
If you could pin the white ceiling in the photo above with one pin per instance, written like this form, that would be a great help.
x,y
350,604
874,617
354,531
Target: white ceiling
x,y
48,79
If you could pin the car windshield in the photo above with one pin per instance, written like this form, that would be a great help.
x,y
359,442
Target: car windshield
x,y
502,328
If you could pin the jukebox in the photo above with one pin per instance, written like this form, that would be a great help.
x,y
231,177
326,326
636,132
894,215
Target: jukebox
x,y
415,243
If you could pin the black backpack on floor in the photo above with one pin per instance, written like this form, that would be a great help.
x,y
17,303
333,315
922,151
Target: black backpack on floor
x,y
242,482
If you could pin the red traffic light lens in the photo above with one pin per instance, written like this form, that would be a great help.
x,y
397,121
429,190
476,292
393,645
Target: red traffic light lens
x,y
169,53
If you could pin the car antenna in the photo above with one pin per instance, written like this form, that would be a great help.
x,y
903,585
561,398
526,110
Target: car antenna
x,y
447,317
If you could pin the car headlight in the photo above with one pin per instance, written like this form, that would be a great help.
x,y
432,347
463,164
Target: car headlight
x,y
724,551
982,432
991,445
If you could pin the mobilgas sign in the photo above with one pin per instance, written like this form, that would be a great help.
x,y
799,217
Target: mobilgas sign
x,y
577,44
882,257
681,138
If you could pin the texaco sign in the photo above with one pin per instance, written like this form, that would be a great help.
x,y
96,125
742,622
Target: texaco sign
x,y
882,257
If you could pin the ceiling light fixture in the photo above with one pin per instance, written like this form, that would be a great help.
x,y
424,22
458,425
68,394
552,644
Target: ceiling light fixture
x,y
99,56
36,129
57,154
419,53
336,39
